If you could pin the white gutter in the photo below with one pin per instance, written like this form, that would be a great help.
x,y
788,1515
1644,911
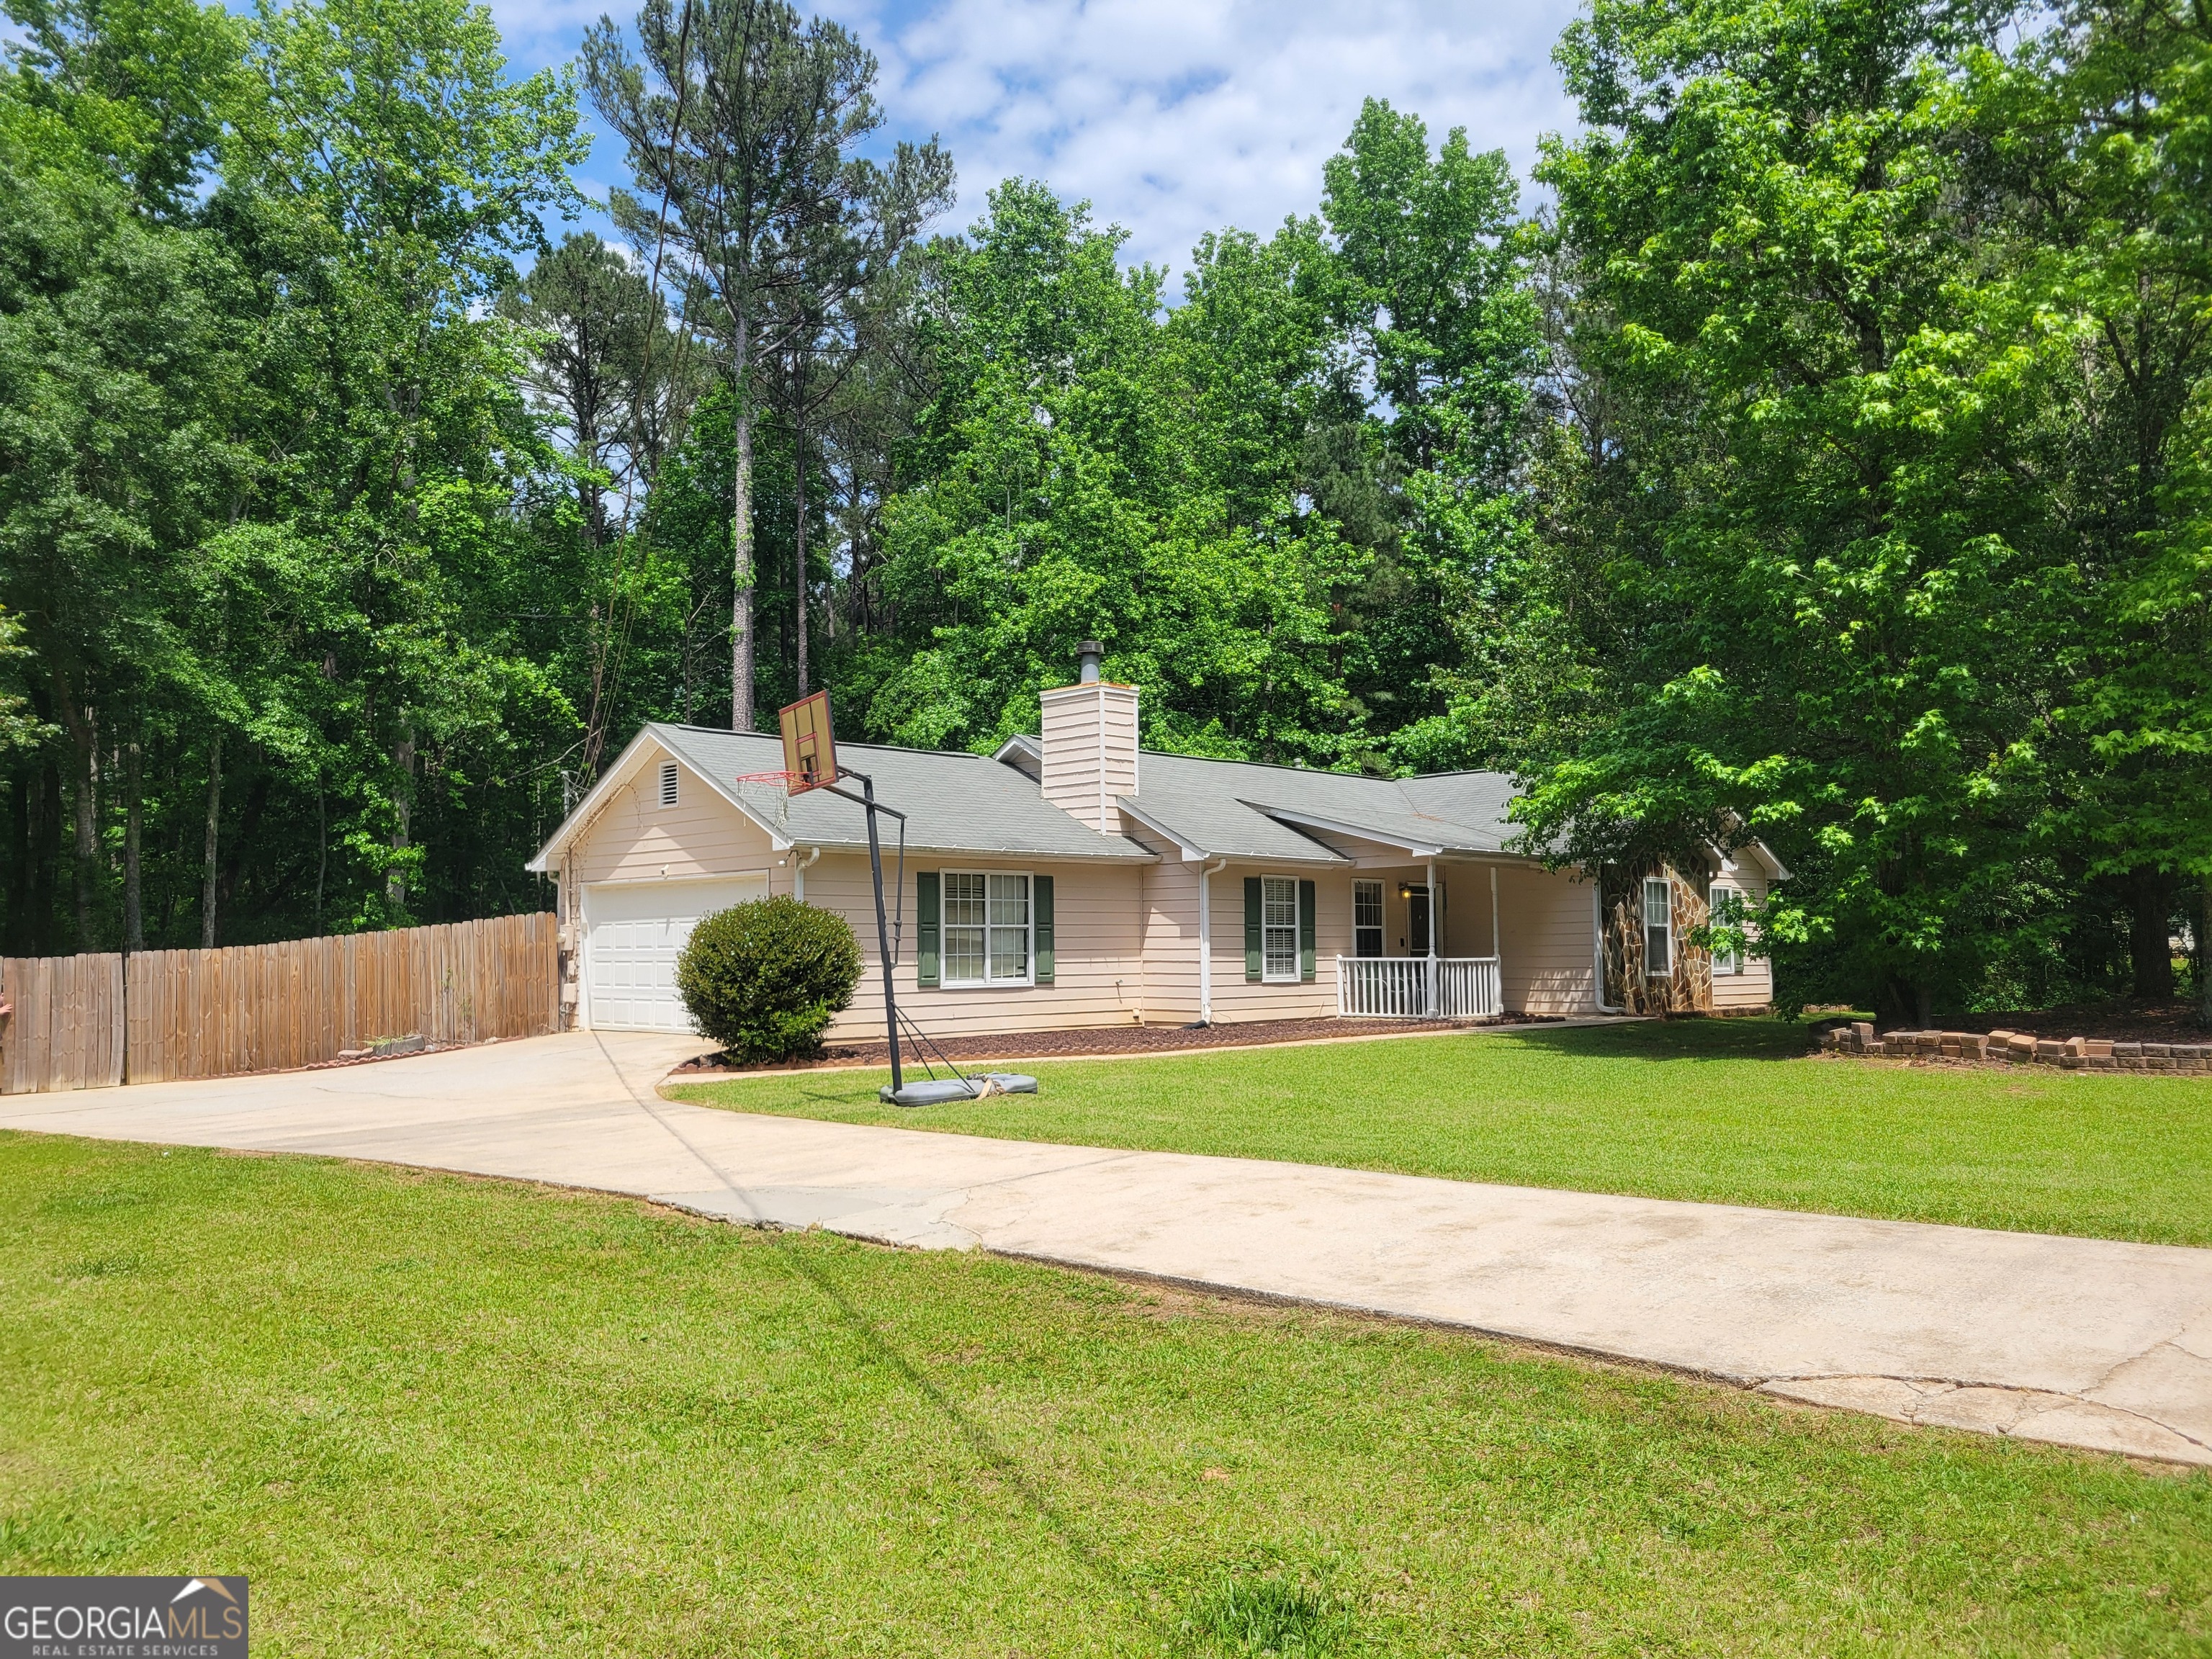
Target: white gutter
x,y
1206,938
1597,948
798,869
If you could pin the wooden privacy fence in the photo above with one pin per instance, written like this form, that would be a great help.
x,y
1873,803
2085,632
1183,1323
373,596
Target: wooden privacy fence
x,y
78,1024
67,1028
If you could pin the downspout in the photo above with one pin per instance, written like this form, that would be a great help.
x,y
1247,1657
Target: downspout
x,y
1597,948
798,869
572,902
1206,938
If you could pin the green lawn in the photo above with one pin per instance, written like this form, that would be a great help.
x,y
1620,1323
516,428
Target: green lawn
x,y
430,1415
1731,1111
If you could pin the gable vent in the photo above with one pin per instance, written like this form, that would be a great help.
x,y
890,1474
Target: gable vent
x,y
668,783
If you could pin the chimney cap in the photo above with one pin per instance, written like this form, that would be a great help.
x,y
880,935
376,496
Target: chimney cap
x,y
1088,654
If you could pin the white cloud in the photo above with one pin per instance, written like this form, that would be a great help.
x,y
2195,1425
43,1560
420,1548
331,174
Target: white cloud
x,y
1172,116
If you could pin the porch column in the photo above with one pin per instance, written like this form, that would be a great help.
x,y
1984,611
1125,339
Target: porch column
x,y
1497,960
1435,914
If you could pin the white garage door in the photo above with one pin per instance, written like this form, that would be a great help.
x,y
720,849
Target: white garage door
x,y
633,930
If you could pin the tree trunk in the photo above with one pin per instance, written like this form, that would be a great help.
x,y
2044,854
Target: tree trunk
x,y
87,814
84,802
19,941
741,545
798,582
210,871
2150,906
403,813
46,861
134,918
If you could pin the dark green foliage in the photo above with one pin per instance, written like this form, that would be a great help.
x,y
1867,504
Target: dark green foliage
x,y
763,979
1829,465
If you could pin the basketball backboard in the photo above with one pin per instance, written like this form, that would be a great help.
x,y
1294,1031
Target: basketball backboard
x,y
810,749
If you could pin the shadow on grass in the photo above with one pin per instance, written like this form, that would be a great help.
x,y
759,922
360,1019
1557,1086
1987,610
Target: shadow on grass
x,y
1676,1040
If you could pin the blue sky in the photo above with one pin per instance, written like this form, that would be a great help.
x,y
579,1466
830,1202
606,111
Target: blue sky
x,y
1172,116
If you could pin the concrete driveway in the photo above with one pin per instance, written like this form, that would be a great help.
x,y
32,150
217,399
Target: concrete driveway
x,y
2082,1342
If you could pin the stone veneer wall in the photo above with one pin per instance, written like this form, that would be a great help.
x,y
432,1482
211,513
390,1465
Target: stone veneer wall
x,y
2018,1048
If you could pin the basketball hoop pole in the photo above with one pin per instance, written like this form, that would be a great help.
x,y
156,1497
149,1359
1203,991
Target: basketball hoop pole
x,y
868,799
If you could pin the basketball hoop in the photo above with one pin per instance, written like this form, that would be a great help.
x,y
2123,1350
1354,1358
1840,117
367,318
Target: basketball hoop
x,y
810,761
809,748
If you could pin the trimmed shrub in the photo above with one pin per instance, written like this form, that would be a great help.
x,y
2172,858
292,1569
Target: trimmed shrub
x,y
763,979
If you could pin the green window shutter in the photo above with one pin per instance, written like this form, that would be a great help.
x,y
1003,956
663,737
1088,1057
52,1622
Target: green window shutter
x,y
1305,930
1040,900
925,927
1252,927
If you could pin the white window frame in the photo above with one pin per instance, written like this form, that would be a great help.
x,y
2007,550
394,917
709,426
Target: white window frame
x,y
944,978
1725,960
1362,888
1267,973
669,775
1665,890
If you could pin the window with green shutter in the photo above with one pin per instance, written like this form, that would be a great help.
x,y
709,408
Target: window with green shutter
x,y
925,927
1306,929
1254,956
1042,911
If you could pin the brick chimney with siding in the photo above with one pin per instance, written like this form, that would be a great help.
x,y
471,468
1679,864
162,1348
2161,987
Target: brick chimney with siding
x,y
1090,744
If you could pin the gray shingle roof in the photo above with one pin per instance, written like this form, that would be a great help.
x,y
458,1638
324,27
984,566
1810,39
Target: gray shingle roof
x,y
1234,809
953,802
958,802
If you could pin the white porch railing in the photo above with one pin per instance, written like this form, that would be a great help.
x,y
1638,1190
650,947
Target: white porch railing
x,y
1397,987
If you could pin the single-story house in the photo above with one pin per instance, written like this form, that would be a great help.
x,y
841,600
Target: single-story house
x,y
1074,879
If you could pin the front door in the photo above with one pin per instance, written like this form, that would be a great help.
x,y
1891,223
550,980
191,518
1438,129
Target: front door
x,y
1417,919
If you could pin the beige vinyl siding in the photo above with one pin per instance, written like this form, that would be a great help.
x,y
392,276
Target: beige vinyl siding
x,y
1754,987
635,838
1170,938
1236,998
1096,939
1467,908
1089,750
1549,929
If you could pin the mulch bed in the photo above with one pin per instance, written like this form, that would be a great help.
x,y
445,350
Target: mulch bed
x,y
1106,1041
2112,1022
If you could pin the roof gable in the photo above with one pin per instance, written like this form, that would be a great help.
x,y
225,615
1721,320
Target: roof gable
x,y
637,754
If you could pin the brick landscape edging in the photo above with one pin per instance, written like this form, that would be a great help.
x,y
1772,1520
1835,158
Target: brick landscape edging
x,y
2018,1048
